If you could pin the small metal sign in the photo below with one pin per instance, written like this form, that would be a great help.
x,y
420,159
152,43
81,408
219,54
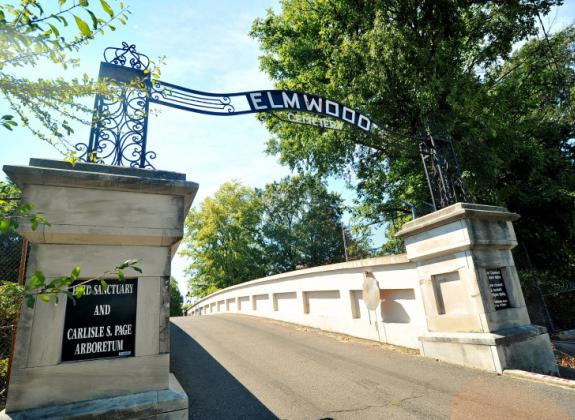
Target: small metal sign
x,y
102,323
497,289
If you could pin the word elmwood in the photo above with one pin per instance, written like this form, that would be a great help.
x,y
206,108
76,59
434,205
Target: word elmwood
x,y
276,100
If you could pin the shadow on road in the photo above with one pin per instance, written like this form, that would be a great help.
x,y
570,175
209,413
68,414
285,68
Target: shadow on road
x,y
212,391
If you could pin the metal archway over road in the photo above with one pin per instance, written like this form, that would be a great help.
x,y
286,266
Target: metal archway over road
x,y
120,123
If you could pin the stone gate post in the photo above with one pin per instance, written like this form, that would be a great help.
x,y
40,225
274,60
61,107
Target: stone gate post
x,y
108,354
476,314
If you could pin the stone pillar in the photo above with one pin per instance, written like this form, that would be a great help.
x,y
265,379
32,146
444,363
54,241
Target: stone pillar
x,y
475,310
99,217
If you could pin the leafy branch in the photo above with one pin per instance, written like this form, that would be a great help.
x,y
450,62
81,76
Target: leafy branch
x,y
12,210
29,34
48,290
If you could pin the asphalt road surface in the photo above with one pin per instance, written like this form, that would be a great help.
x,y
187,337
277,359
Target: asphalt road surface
x,y
240,367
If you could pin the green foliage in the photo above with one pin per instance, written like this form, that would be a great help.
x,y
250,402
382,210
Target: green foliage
x,y
222,240
301,224
3,372
408,67
242,234
176,299
393,245
4,362
10,298
51,289
533,149
35,32
357,241
13,211
445,67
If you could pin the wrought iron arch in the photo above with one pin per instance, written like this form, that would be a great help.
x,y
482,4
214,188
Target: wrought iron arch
x,y
120,121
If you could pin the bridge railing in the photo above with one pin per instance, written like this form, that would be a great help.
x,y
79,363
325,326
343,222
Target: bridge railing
x,y
330,298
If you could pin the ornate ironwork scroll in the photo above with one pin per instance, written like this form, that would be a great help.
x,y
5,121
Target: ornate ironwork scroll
x,y
442,172
128,53
120,120
191,100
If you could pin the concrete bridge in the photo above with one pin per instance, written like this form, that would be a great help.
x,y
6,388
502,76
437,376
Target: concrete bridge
x,y
455,295
331,298
346,340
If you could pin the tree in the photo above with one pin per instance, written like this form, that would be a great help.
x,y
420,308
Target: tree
x,y
301,224
415,68
241,234
223,241
536,153
34,32
442,67
176,299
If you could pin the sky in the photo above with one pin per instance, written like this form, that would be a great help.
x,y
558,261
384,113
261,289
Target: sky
x,y
207,47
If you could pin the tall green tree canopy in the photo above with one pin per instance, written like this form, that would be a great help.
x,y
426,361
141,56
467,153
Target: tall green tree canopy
x,y
223,241
241,234
301,224
176,299
445,67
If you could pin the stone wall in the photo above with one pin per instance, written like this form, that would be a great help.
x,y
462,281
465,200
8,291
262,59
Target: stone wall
x,y
330,297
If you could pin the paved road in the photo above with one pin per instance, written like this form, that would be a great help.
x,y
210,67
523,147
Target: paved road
x,y
235,366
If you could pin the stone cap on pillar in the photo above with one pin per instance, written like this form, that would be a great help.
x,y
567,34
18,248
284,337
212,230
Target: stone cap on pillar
x,y
109,177
459,227
90,203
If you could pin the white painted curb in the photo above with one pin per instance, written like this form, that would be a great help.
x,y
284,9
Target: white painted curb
x,y
551,380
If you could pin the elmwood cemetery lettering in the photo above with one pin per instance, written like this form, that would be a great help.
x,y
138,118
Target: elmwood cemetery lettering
x,y
497,289
282,100
102,322
315,121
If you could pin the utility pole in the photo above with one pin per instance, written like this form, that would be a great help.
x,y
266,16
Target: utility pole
x,y
344,242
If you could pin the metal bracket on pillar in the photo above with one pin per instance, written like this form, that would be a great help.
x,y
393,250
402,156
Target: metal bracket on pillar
x,y
442,171
120,122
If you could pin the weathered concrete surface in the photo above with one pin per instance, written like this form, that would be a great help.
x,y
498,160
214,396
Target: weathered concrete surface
x,y
456,250
99,218
169,403
235,366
